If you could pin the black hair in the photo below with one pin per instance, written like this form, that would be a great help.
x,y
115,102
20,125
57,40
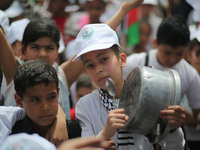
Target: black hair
x,y
116,49
34,72
193,43
40,28
173,31
84,80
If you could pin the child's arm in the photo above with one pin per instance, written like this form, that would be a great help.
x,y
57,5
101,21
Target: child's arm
x,y
176,116
122,12
8,61
72,70
116,120
58,132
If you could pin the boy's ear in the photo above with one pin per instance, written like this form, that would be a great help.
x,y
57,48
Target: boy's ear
x,y
123,59
155,42
18,101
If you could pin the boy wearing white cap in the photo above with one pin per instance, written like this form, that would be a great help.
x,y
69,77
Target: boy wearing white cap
x,y
171,44
98,47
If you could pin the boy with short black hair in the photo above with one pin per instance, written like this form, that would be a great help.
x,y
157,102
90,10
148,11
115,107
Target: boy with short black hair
x,y
36,85
37,91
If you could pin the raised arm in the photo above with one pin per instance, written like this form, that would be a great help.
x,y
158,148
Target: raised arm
x,y
72,70
122,12
8,60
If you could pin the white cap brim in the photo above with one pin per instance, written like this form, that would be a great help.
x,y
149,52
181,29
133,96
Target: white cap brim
x,y
93,48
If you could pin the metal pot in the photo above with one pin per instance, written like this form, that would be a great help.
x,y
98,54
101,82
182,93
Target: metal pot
x,y
145,93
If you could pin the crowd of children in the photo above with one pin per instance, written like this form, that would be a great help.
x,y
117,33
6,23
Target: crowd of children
x,y
39,83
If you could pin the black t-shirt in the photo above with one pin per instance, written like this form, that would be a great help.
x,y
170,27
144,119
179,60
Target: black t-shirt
x,y
25,126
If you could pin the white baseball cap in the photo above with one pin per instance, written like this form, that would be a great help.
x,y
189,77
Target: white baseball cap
x,y
152,2
26,141
17,30
4,22
94,37
194,32
196,6
14,10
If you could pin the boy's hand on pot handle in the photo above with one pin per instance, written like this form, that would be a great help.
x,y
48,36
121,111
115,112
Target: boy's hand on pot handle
x,y
175,115
116,120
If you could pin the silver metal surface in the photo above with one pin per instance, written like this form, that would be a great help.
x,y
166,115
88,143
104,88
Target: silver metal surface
x,y
145,93
111,88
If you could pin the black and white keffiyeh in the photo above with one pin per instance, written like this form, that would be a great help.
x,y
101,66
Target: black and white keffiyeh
x,y
108,103
124,138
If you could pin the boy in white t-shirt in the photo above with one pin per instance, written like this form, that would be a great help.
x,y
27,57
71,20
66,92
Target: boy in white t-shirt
x,y
98,48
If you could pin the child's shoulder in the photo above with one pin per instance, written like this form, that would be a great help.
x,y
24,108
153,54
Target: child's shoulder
x,y
89,98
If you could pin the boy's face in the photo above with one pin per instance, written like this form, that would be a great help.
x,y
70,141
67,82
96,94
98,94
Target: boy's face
x,y
194,58
43,48
95,9
101,64
145,33
169,56
40,103
57,6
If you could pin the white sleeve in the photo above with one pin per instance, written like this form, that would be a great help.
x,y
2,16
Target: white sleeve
x,y
8,116
193,91
83,115
174,141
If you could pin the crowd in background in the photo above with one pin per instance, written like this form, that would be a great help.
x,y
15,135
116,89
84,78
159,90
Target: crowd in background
x,y
71,15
